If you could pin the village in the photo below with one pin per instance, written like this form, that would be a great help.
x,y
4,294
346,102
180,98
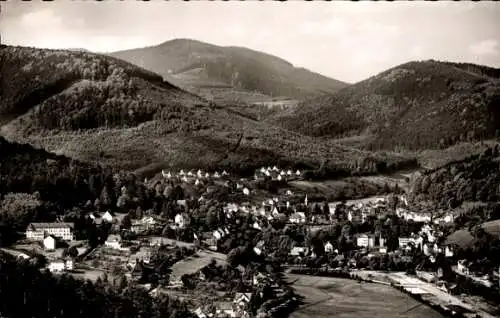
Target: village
x,y
207,241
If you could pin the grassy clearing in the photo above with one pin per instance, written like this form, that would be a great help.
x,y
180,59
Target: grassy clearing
x,y
334,297
196,262
435,158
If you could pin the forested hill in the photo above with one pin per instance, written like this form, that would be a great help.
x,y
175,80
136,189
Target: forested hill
x,y
89,89
196,64
63,181
96,108
476,178
416,105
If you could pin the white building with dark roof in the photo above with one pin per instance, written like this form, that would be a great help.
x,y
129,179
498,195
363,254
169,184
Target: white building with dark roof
x,y
38,231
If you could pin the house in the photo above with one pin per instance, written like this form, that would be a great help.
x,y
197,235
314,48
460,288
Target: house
x,y
258,278
224,309
426,250
38,231
246,191
257,226
137,226
57,266
149,222
200,313
107,217
181,173
258,249
138,270
289,173
216,175
69,264
218,234
298,251
448,251
328,247
49,243
242,299
403,241
289,192
462,267
190,174
181,220
60,265
224,173
275,211
297,173
365,240
182,203
298,217
144,254
113,241
279,178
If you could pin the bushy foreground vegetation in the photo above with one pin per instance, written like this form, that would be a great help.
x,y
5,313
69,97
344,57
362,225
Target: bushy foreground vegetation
x,y
27,292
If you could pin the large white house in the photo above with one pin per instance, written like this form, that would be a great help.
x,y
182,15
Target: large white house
x,y
49,243
60,266
108,217
365,240
38,231
113,241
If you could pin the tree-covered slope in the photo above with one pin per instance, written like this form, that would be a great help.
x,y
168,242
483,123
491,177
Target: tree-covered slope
x,y
416,105
476,178
104,110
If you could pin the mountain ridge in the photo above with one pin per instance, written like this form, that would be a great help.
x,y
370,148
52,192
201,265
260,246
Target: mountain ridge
x,y
415,105
113,112
238,67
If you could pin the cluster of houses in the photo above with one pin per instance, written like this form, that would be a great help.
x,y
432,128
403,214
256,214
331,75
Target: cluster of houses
x,y
193,177
50,234
275,173
238,308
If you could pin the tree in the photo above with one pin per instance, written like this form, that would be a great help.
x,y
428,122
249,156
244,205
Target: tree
x,y
105,197
70,251
326,209
40,261
126,222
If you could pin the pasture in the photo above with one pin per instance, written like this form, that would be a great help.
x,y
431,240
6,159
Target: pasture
x,y
194,263
336,297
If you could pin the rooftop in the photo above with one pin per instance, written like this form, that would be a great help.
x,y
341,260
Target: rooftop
x,y
40,226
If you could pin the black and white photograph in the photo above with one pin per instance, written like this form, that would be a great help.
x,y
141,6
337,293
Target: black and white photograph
x,y
249,159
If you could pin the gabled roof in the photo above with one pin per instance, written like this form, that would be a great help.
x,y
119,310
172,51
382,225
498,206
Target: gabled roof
x,y
114,238
51,236
243,296
53,225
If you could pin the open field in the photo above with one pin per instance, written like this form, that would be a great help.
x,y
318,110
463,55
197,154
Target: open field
x,y
336,297
196,262
90,274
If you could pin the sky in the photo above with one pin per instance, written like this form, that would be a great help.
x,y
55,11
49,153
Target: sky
x,y
349,41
